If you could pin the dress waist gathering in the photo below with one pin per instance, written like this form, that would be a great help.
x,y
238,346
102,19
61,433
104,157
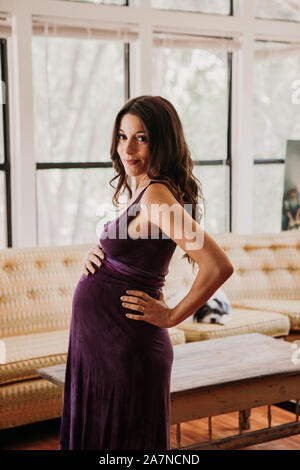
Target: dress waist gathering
x,y
147,278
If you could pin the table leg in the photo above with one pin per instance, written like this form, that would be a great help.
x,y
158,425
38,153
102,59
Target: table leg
x,y
178,436
269,416
209,428
244,422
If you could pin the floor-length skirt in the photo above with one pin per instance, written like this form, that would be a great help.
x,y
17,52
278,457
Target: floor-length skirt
x,y
117,383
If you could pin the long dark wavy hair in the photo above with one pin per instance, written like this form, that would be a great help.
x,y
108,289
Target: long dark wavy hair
x,y
171,159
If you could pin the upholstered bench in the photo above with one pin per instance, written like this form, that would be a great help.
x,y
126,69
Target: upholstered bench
x,y
264,290
267,273
288,307
243,321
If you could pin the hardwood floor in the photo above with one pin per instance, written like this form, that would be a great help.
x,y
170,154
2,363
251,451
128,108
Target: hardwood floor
x,y
45,435
227,425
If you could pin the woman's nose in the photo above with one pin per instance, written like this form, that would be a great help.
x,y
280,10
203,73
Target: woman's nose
x,y
130,147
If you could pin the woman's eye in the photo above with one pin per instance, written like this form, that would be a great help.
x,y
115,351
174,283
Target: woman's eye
x,y
140,138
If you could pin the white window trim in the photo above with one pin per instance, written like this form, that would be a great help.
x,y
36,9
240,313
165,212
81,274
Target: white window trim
x,y
242,27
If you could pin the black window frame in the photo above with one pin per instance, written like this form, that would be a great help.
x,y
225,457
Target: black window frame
x,y
6,166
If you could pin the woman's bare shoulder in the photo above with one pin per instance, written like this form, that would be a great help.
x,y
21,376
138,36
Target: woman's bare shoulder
x,y
160,193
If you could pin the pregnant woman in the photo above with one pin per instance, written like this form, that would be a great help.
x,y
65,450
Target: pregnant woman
x,y
117,384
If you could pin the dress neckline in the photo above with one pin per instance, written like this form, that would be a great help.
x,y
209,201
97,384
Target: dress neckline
x,y
135,200
116,220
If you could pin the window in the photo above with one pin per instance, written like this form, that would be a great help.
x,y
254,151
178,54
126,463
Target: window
x,y
215,180
5,187
276,120
2,211
84,192
276,117
267,197
79,86
196,81
278,9
2,186
222,7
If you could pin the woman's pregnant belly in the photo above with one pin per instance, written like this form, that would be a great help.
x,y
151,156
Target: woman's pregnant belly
x,y
112,341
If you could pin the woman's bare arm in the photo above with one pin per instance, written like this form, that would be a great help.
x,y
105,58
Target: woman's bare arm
x,y
212,273
161,208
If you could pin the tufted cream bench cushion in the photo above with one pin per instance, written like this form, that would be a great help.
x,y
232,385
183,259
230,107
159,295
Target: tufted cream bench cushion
x,y
266,279
36,288
28,402
290,308
243,321
267,272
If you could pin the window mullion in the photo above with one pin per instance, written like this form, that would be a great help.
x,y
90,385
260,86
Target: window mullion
x,y
143,51
6,142
21,129
242,116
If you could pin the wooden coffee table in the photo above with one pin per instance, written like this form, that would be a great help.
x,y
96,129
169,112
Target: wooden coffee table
x,y
224,375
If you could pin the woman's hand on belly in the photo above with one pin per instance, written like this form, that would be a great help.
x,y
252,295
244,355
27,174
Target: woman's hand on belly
x,y
151,310
93,256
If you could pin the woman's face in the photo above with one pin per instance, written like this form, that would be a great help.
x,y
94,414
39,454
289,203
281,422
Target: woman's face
x,y
133,145
293,194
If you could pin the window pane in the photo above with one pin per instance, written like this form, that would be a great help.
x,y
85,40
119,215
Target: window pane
x,y
215,184
276,116
195,81
72,205
78,90
3,242
278,9
203,6
2,101
267,198
105,2
1,139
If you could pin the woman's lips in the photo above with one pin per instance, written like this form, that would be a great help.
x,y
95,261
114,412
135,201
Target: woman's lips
x,y
131,162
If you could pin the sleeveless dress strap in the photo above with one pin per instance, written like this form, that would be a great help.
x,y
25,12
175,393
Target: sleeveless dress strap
x,y
161,182
136,201
141,193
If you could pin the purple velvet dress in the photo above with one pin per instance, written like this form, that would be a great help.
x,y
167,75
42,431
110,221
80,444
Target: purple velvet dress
x,y
117,384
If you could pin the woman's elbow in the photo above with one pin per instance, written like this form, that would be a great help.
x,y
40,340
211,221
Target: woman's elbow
x,y
230,270
226,270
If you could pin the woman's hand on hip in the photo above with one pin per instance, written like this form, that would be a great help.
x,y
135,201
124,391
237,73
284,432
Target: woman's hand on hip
x,y
151,310
93,256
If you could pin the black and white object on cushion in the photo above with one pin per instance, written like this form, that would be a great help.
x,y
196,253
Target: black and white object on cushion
x,y
215,310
